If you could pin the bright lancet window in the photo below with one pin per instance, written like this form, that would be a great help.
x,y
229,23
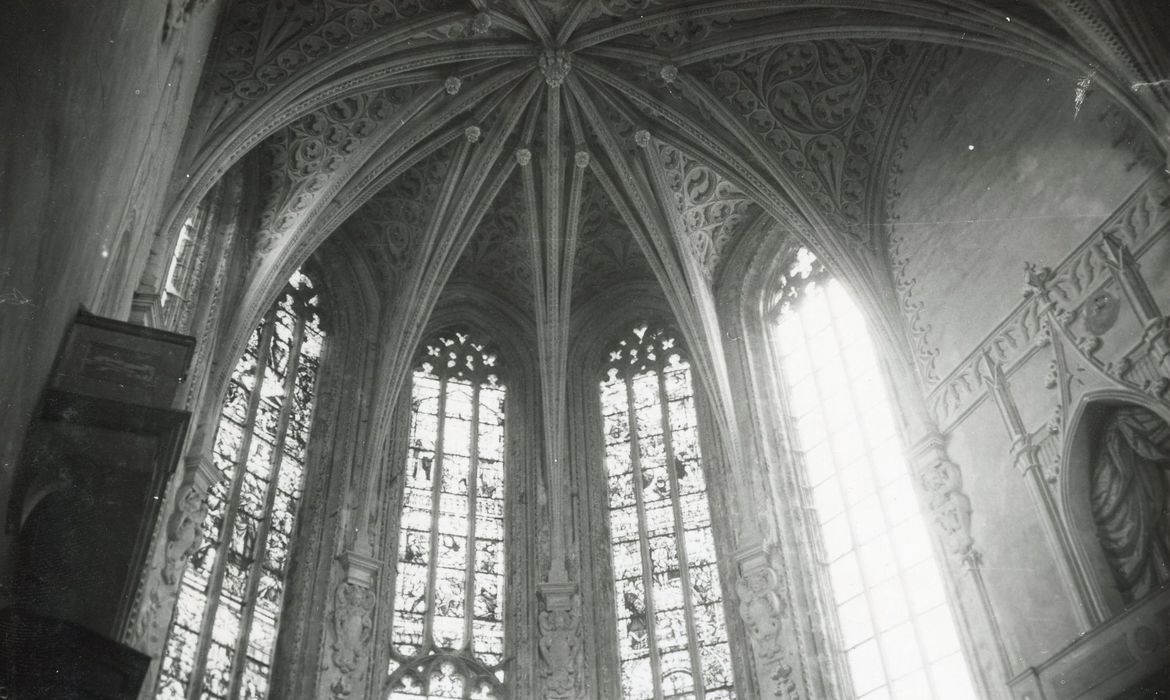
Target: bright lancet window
x,y
671,631
897,632
223,634
447,632
180,262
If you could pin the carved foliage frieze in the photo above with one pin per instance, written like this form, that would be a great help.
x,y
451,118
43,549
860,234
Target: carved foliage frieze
x,y
268,42
925,354
301,159
390,226
1071,283
713,209
606,251
497,255
819,106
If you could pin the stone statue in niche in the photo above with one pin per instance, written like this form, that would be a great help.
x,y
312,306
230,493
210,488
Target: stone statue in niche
x,y
1129,485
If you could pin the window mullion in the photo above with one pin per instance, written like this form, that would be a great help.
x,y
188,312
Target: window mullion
x,y
472,481
436,480
680,538
265,523
215,578
644,545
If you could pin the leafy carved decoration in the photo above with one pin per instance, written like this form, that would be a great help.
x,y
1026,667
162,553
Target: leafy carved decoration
x,y
497,255
714,211
266,43
389,226
606,252
304,156
925,355
820,107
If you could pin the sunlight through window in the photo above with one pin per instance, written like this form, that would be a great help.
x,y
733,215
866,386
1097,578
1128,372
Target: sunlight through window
x,y
896,630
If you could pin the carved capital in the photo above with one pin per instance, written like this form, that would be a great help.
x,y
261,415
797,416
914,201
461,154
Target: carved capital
x,y
146,309
360,570
560,640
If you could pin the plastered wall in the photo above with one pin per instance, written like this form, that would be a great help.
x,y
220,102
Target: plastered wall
x,y
1008,165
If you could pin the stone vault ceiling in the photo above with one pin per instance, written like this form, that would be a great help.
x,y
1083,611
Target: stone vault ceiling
x,y
544,150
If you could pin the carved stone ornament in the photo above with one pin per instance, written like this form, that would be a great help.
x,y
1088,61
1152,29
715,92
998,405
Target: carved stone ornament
x,y
560,641
353,627
950,508
183,530
764,614
555,65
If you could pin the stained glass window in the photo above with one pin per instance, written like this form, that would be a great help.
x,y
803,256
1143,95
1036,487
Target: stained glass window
x,y
447,632
896,631
669,603
224,631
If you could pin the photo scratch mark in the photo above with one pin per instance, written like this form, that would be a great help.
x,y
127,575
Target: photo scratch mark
x,y
1082,89
15,297
1153,84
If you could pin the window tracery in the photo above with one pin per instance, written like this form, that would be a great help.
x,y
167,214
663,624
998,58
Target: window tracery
x,y
223,633
895,629
672,635
447,631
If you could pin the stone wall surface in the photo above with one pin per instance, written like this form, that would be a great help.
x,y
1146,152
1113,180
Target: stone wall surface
x,y
1010,165
94,107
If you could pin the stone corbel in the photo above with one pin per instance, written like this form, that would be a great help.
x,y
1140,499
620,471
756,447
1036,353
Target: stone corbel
x,y
560,640
765,616
950,508
184,528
